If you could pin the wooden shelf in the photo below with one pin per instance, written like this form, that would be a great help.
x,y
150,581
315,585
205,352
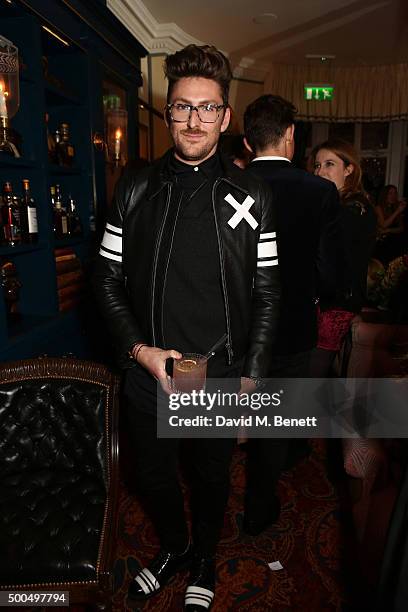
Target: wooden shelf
x,y
64,82
21,248
54,96
66,242
17,162
56,170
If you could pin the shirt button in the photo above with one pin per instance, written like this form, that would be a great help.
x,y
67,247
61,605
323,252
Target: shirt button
x,y
196,169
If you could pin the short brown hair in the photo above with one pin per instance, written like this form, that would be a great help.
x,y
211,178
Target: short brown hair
x,y
348,154
194,61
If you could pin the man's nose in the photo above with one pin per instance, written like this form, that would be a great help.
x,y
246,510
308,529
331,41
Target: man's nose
x,y
193,120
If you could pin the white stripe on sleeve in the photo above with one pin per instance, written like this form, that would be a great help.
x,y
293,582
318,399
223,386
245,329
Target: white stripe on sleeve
x,y
267,249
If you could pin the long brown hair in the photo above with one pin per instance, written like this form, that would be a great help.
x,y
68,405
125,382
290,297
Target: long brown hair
x,y
348,154
382,198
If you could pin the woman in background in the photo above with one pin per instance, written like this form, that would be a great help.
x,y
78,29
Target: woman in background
x,y
389,211
337,161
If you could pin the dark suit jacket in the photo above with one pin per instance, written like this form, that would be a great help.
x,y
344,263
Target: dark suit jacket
x,y
310,249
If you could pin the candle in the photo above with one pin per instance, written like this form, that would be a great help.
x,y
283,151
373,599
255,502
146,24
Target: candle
x,y
118,136
3,107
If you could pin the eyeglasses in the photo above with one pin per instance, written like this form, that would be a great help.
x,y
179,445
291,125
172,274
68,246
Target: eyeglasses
x,y
207,113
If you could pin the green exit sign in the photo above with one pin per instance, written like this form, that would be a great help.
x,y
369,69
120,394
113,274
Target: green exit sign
x,y
319,92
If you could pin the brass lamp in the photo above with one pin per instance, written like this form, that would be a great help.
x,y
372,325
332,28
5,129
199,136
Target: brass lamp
x,y
9,95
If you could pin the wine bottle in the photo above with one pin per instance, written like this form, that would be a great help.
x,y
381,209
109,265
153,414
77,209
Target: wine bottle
x,y
29,225
11,216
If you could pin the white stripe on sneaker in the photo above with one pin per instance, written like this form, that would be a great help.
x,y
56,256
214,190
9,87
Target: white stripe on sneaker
x,y
199,596
146,587
147,581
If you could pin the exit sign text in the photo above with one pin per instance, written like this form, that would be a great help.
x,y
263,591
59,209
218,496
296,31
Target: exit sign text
x,y
319,92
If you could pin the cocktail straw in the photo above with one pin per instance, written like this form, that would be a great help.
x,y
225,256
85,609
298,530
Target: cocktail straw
x,y
220,342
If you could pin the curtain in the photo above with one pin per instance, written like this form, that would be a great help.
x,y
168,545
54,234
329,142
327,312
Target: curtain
x,y
361,93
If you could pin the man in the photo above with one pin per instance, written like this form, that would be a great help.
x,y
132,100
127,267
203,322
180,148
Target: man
x,y
311,264
180,267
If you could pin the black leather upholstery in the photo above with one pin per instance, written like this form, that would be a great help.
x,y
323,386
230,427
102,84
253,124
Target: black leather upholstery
x,y
54,479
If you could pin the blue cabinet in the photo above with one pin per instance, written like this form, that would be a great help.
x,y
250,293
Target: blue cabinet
x,y
67,49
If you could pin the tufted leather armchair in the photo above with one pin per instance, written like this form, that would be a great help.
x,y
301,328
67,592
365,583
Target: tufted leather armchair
x,y
58,477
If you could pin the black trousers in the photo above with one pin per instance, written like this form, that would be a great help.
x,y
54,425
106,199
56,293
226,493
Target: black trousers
x,y
157,475
267,457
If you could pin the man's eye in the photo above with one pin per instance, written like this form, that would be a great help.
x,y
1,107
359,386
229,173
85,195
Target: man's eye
x,y
209,108
182,107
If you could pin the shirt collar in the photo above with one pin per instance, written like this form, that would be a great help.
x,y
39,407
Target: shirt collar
x,y
205,168
271,157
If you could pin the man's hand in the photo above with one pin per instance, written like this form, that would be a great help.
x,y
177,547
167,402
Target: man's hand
x,y
154,361
247,385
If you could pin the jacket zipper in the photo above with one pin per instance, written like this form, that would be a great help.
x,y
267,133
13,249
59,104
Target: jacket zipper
x,y
156,256
167,265
228,345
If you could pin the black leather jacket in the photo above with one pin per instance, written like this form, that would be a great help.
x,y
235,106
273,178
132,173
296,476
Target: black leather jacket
x,y
131,267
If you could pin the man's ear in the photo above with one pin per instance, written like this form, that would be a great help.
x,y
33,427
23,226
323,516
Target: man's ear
x,y
290,133
166,116
248,146
226,119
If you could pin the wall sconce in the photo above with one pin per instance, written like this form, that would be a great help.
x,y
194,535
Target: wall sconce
x,y
116,136
9,96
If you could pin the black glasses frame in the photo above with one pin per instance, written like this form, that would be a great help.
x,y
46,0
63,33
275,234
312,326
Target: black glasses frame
x,y
192,108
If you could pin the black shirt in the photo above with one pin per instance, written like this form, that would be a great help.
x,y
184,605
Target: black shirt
x,y
193,308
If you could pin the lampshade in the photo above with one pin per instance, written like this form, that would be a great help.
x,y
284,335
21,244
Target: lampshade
x,y
9,80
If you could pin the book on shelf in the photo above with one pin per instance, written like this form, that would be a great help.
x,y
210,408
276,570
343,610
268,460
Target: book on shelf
x,y
70,290
66,257
63,252
67,266
69,278
69,303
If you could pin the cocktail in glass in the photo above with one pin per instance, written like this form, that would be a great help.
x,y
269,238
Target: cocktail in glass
x,y
189,373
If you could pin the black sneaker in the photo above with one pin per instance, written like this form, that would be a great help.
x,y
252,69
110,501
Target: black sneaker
x,y
150,580
201,585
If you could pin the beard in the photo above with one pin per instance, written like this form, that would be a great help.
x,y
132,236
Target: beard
x,y
194,151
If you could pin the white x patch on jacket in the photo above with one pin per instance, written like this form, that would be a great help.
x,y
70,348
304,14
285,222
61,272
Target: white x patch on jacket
x,y
242,211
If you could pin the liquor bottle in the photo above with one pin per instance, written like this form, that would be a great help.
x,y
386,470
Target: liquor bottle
x,y
60,216
57,139
66,152
11,216
50,143
2,233
28,214
74,222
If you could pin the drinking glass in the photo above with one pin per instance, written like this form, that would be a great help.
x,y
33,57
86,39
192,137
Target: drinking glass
x,y
189,373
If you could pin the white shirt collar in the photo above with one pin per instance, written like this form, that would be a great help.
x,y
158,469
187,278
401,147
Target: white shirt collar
x,y
271,157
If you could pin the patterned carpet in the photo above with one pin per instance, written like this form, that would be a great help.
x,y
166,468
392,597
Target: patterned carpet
x,y
309,541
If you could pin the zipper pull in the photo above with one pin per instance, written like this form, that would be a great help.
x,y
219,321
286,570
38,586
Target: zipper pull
x,y
230,353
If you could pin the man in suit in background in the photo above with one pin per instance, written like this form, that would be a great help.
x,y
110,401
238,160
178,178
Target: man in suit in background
x,y
310,251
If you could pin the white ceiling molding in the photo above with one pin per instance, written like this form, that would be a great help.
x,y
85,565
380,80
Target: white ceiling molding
x,y
154,36
168,38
